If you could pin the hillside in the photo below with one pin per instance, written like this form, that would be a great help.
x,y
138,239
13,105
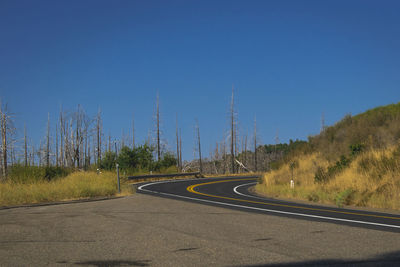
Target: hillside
x,y
377,128
354,162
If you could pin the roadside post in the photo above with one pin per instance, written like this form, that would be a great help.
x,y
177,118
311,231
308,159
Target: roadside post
x,y
292,166
119,186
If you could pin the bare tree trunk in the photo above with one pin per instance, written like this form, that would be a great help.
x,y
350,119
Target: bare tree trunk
x,y
233,143
86,147
224,156
25,147
177,145
109,142
180,149
245,151
48,141
32,157
61,139
56,145
40,153
4,141
255,144
158,128
89,155
98,131
199,145
77,138
133,131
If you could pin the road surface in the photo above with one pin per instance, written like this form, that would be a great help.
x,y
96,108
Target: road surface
x,y
233,193
147,230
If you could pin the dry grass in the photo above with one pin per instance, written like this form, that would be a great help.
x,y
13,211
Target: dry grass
x,y
371,180
77,185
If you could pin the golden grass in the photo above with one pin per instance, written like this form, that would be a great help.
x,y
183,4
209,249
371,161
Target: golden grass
x,y
77,185
375,186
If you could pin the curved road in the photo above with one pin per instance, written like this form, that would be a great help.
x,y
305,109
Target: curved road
x,y
232,192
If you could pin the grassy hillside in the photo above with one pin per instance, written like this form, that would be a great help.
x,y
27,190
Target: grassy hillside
x,y
354,162
377,128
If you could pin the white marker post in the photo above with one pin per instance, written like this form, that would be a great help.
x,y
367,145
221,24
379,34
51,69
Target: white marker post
x,y
291,184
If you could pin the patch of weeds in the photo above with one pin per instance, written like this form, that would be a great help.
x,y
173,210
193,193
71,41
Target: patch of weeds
x,y
344,198
314,197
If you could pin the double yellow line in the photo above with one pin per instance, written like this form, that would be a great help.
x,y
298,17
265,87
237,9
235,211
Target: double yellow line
x,y
192,187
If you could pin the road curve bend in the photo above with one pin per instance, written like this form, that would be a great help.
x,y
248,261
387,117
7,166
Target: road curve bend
x,y
232,192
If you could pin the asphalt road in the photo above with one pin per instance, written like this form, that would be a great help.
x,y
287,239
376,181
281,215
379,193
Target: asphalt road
x,y
233,193
147,230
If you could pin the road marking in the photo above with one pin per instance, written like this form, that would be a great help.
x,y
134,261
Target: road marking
x,y
191,189
260,209
237,192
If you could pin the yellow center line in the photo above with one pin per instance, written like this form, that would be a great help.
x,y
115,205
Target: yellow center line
x,y
192,187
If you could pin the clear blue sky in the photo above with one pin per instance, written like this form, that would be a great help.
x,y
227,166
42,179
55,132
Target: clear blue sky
x,y
290,61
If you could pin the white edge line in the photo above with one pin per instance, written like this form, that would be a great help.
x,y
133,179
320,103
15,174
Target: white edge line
x,y
261,209
237,192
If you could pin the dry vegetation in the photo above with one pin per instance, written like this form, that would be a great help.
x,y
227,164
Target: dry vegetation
x,y
77,185
327,172
371,180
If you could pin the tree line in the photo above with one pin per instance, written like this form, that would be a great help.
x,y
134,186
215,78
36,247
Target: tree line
x,y
77,141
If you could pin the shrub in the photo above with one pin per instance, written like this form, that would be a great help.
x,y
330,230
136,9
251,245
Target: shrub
x,y
356,149
344,198
320,175
32,174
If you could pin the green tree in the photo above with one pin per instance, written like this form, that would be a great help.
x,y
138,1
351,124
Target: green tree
x,y
108,161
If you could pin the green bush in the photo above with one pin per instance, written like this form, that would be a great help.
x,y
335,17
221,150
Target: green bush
x,y
108,161
344,198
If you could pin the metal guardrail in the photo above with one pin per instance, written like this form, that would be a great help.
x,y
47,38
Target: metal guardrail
x,y
138,177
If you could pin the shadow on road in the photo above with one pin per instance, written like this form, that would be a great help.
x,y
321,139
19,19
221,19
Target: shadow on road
x,y
112,263
388,259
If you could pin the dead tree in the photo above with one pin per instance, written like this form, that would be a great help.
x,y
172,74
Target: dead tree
x,y
245,150
109,142
255,144
4,123
62,129
224,157
98,136
158,127
180,149
177,145
25,147
233,132
48,141
56,145
199,145
133,131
